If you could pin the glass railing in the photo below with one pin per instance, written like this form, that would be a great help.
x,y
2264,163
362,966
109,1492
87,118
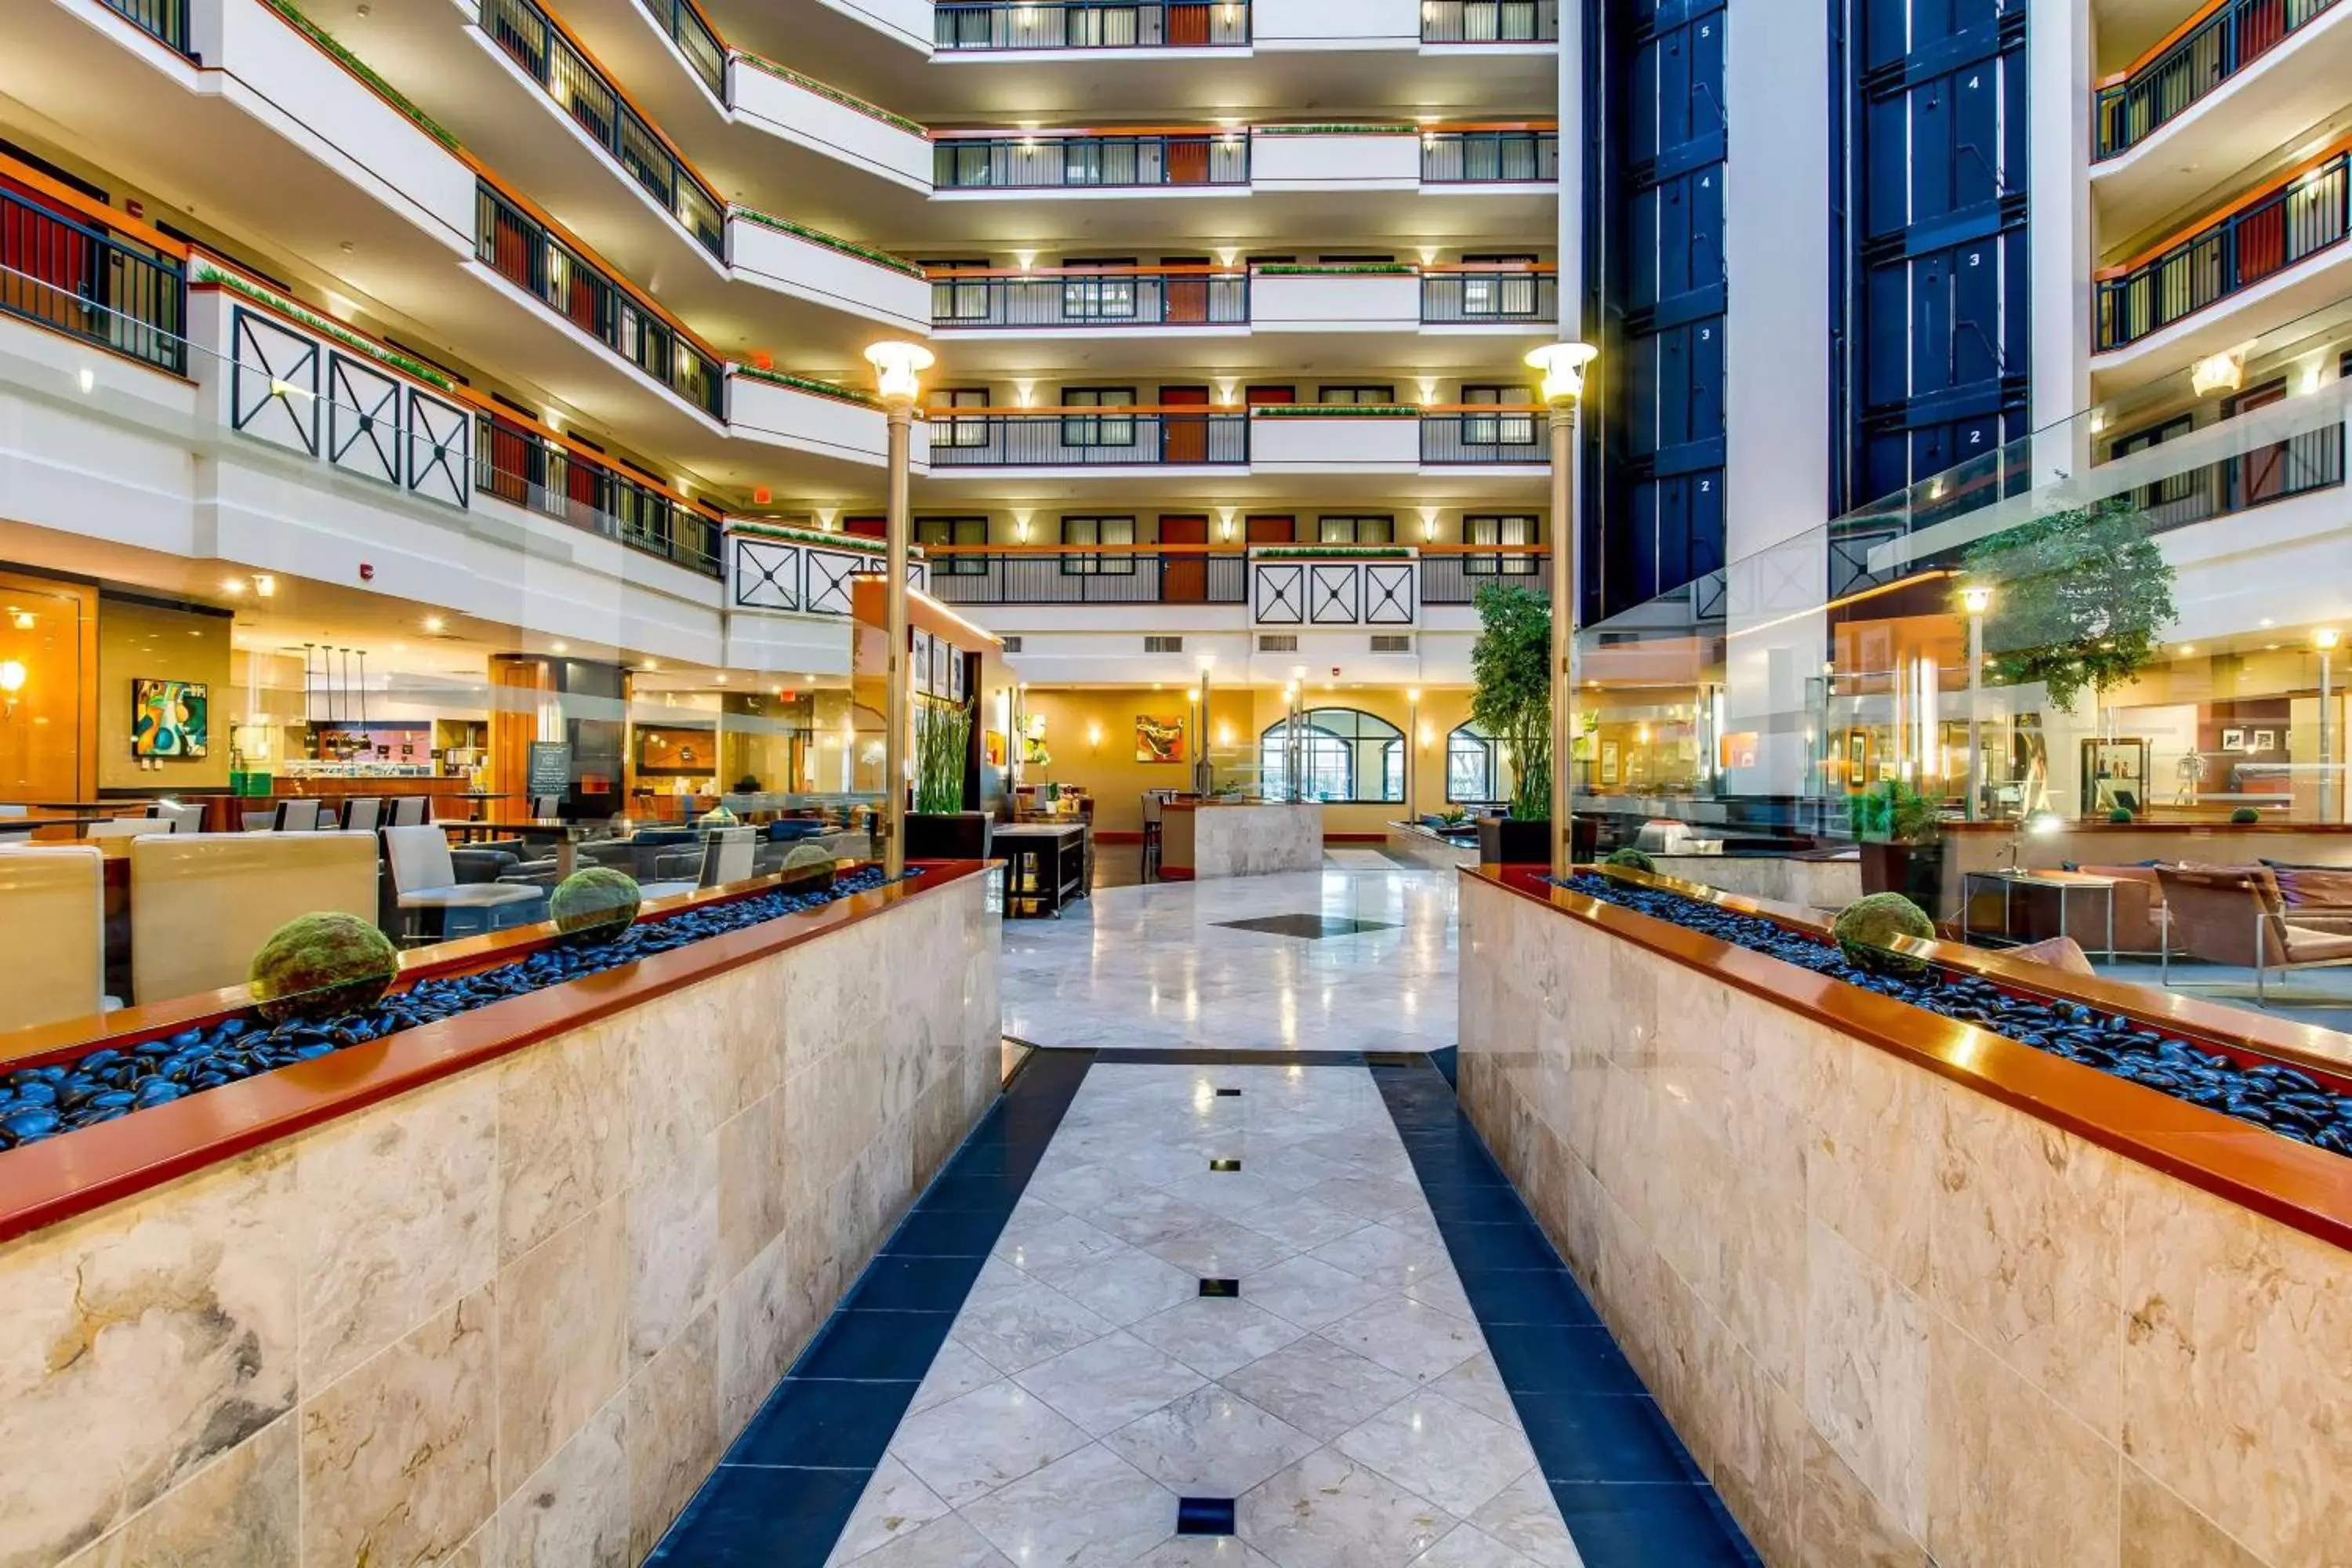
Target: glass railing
x,y
1090,24
1038,162
541,48
1482,296
695,40
2275,231
1489,21
1488,157
1091,438
2236,34
1125,297
81,279
166,20
522,251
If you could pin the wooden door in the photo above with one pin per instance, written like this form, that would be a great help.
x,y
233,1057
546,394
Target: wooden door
x,y
1184,578
1188,159
1184,437
509,462
1187,27
1271,531
2262,474
45,263
1186,294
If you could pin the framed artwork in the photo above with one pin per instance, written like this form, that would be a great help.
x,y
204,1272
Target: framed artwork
x,y
170,718
1159,739
919,665
1608,761
2233,740
943,656
993,743
1857,761
2266,739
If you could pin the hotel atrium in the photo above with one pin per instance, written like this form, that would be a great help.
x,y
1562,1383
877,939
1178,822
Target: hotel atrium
x,y
1121,783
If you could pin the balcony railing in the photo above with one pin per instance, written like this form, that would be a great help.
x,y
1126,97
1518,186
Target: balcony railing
x,y
2261,239
1091,25
1489,21
75,278
1089,437
1086,297
1088,162
541,48
516,465
1480,296
523,251
166,20
695,40
2297,466
1451,577
1488,157
1141,574
2232,37
1508,435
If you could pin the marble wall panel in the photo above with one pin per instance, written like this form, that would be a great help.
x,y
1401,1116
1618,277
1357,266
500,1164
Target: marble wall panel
x,y
1898,1321
509,1318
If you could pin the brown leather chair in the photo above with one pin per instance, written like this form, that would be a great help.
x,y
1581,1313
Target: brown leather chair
x,y
2138,899
2236,915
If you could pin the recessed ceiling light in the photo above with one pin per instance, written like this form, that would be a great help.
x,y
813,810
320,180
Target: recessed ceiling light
x,y
432,623
233,586
561,648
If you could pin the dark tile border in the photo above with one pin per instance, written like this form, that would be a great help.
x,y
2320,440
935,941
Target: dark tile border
x,y
785,1488
1629,1491
1191,1057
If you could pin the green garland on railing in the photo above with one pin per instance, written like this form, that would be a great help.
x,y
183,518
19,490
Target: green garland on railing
x,y
359,69
1334,411
208,273
830,241
810,385
854,544
827,91
1360,552
1333,130
1321,269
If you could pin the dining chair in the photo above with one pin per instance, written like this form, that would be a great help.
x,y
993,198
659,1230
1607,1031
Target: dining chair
x,y
296,817
424,879
546,806
53,966
203,903
408,811
363,813
129,827
728,854
184,817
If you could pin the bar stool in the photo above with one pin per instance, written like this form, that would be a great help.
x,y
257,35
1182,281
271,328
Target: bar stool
x,y
1153,799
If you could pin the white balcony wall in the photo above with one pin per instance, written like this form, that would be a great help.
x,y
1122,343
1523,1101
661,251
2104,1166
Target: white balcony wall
x,y
785,108
763,410
1335,302
905,22
1327,163
1335,24
808,271
1314,444
273,73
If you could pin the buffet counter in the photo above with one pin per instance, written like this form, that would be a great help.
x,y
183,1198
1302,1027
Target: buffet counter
x,y
1201,839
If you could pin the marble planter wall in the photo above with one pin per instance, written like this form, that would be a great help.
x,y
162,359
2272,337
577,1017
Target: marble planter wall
x,y
1895,1320
512,1317
1256,841
1777,878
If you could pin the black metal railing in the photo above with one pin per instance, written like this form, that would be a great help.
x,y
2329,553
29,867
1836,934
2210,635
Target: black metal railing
x,y
695,40
1457,298
2218,48
2297,466
1489,21
164,20
521,249
1498,437
1136,578
1092,300
518,465
1091,24
79,279
2290,225
1034,162
1108,438
536,44
1452,579
1488,157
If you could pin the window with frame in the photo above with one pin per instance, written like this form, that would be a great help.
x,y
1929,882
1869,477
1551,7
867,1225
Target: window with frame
x,y
2169,491
1346,757
1099,299
959,301
1355,530
1095,530
954,531
1499,293
1471,771
1096,429
1367,395
962,432
1499,528
1498,429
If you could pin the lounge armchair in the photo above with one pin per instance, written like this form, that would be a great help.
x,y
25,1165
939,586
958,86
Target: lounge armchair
x,y
2236,915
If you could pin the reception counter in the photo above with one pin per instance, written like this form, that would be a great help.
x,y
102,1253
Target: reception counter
x,y
1199,839
517,1275
1911,1291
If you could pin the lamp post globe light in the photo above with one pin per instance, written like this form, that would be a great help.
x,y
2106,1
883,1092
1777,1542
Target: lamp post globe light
x,y
1562,366
899,376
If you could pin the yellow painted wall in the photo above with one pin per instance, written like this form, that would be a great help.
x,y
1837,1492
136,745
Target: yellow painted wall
x,y
136,640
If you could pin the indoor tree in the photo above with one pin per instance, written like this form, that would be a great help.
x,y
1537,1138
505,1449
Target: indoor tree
x,y
1511,665
942,746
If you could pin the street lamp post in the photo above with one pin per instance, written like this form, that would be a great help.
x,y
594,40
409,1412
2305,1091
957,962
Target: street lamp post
x,y
1976,601
898,375
1562,365
2325,639
1204,770
1412,754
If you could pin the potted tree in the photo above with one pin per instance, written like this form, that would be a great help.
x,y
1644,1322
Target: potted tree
x,y
1895,826
939,828
1511,665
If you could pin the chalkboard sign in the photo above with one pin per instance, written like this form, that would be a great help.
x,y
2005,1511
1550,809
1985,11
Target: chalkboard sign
x,y
550,769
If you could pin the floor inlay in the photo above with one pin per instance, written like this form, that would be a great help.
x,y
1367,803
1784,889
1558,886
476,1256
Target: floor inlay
x,y
1308,928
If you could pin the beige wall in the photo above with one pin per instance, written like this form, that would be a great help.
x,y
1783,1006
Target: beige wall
x,y
1894,1319
137,640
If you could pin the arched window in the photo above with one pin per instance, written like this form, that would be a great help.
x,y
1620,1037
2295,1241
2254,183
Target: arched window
x,y
1471,773
1347,757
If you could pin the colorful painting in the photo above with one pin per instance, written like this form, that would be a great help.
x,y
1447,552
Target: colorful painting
x,y
1159,739
170,718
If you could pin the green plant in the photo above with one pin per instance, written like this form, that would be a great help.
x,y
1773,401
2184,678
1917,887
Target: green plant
x,y
2244,815
1455,816
317,967
1511,665
1632,860
2120,814
2078,598
1866,931
1892,812
594,905
942,748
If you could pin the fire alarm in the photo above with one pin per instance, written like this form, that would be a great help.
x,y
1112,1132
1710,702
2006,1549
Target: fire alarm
x,y
761,495
367,572
763,359
1335,672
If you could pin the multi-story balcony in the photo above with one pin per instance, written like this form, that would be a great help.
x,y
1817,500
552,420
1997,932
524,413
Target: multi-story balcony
x,y
83,277
990,161
1388,297
994,24
1091,438
1305,585
1276,439
1267,156
1090,299
2195,61
166,20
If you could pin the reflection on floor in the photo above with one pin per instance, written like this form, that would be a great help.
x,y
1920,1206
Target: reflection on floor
x,y
2313,998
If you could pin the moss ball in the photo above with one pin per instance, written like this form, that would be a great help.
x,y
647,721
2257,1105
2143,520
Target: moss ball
x,y
2244,815
2120,815
596,905
1865,928
1631,858
319,966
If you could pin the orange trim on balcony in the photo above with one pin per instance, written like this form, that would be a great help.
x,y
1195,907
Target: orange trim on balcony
x,y
97,211
623,93
2268,188
2149,54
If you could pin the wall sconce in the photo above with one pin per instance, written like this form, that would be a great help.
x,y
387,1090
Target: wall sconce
x,y
1227,386
826,517
1022,390
1021,528
2222,372
1224,734
1094,737
1228,255
1428,389
12,681
1428,523
1225,523
1025,260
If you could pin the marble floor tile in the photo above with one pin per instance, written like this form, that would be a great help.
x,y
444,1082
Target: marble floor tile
x,y
1477,1384
1211,1443
895,1507
969,1447
1215,1337
946,1543
1384,1255
1311,1292
1525,1517
1467,1546
1327,1511
1408,1338
1124,1286
1204,1551
1457,1458
955,1371
1105,1385
1320,1387
1220,1249
1017,1321
1089,1507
